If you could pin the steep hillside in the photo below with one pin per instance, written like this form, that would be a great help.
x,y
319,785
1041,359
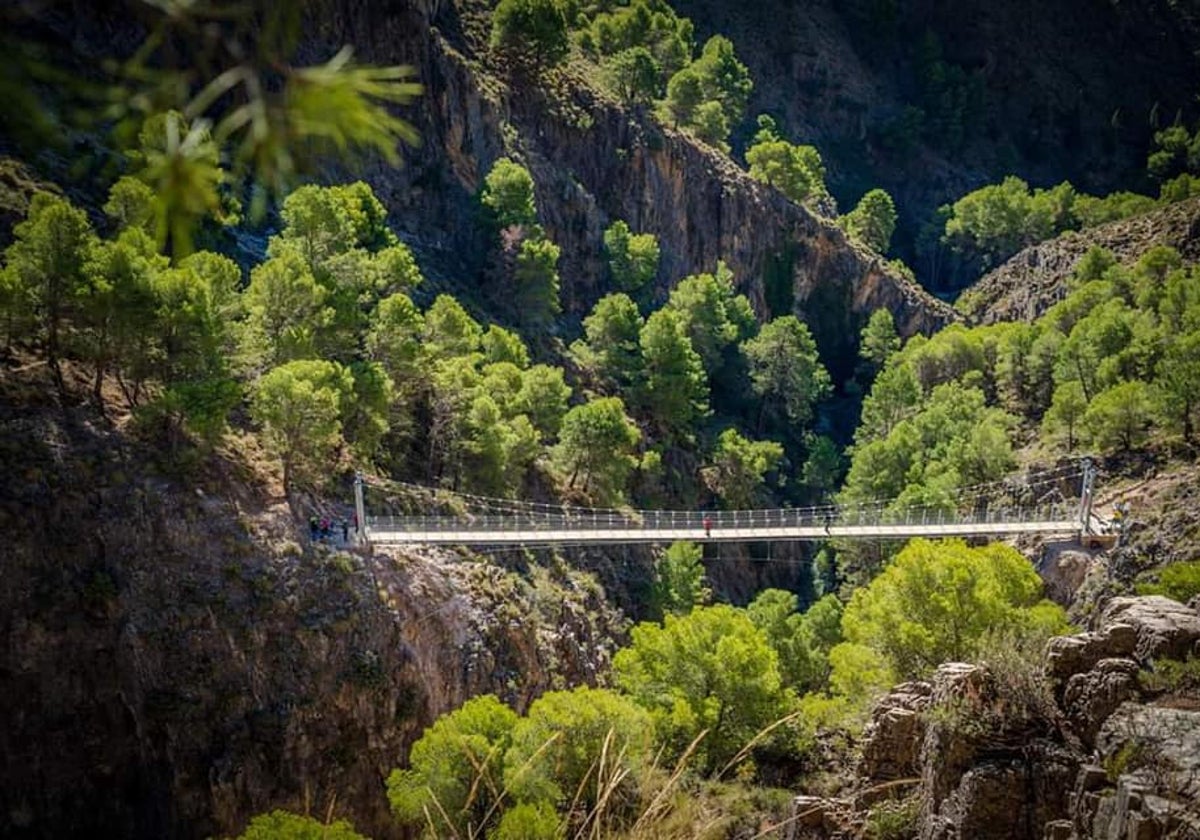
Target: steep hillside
x,y
1056,91
178,658
1022,288
594,162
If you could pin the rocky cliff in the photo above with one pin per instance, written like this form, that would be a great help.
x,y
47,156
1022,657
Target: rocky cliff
x,y
1031,281
985,751
593,162
177,657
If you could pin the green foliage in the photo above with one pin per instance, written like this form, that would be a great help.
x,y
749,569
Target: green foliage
x,y
529,821
709,95
802,641
281,825
824,465
634,74
1120,417
508,194
537,281
1176,150
633,259
543,398
455,774
449,330
572,746
1172,675
894,819
936,602
298,405
1178,378
287,312
713,314
679,585
878,340
796,171
534,30
1180,581
709,670
611,348
44,266
739,467
674,390
1067,410
785,371
873,221
596,447
952,439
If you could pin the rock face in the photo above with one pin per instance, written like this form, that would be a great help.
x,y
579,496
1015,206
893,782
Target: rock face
x,y
1034,279
594,162
985,776
1098,760
892,740
174,662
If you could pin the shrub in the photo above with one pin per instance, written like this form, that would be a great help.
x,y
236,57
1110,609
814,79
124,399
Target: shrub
x,y
1180,581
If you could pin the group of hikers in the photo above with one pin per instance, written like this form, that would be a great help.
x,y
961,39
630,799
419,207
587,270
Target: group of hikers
x,y
324,529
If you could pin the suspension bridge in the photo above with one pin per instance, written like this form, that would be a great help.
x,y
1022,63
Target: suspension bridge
x,y
1052,502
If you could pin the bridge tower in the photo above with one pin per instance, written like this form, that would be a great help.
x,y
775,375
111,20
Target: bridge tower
x,y
360,510
1085,496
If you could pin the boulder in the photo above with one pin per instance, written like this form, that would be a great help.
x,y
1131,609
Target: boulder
x,y
892,740
1090,697
1069,655
1164,628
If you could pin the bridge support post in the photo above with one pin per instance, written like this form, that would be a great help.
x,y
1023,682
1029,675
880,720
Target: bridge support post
x,y
1085,497
360,510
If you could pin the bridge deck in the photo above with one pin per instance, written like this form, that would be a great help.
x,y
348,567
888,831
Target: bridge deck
x,y
620,535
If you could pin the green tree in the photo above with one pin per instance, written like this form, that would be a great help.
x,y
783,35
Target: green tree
x,y
679,581
132,204
394,339
537,281
501,345
739,467
796,171
723,78
713,314
674,389
634,74
45,266
529,821
823,467
785,370
572,743
633,259
596,446
801,641
878,339
873,221
534,30
281,825
298,405
1120,417
938,602
508,194
1067,410
611,347
287,312
1179,380
366,413
709,670
449,330
455,775
685,93
543,398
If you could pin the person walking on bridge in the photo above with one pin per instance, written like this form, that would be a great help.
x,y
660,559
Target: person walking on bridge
x,y
708,523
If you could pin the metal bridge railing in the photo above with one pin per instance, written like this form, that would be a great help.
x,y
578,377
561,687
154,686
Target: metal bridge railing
x,y
740,520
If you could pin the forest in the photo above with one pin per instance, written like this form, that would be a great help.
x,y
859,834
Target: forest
x,y
335,349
